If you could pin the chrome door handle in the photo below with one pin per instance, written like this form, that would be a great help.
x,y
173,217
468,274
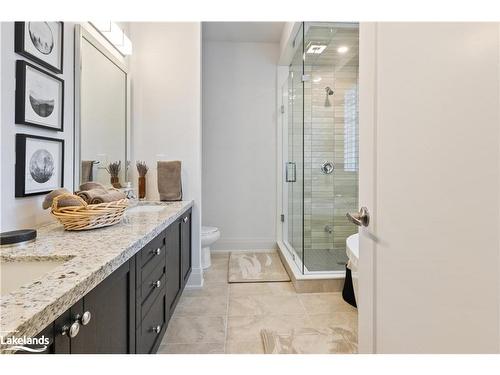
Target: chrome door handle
x,y
156,329
291,172
185,219
361,218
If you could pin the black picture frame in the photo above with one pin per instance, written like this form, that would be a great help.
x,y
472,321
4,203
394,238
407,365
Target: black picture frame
x,y
20,175
20,97
20,47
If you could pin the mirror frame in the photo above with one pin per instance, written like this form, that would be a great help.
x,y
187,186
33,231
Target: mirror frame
x,y
82,33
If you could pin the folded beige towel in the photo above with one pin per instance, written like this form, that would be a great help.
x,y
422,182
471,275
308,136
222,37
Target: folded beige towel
x,y
109,196
67,200
47,202
88,195
91,185
169,180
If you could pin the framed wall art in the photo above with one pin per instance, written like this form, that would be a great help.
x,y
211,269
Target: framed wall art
x,y
41,42
39,164
39,97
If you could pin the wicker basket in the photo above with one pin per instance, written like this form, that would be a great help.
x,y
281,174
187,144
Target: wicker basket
x,y
88,216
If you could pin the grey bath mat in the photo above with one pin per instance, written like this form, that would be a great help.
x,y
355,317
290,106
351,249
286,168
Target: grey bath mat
x,y
252,267
334,340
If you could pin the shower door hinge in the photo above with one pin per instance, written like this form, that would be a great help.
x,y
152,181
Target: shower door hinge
x,y
282,218
306,77
282,108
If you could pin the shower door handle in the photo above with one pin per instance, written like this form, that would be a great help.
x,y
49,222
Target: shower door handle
x,y
291,172
361,218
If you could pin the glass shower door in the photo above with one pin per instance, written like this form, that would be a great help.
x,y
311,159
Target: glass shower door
x,y
331,142
294,158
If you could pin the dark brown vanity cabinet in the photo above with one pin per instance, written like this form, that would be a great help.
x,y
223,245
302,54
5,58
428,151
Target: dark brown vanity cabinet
x,y
186,256
128,312
106,315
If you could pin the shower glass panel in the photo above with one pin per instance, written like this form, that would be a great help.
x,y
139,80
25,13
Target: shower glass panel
x,y
322,131
294,173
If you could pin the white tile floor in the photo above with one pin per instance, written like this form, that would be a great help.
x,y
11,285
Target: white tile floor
x,y
228,318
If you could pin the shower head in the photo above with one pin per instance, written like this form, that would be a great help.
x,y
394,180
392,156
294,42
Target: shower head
x,y
329,92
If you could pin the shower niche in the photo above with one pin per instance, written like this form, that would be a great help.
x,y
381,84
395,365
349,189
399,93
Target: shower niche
x,y
319,131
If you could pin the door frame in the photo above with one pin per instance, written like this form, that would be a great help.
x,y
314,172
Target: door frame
x,y
367,184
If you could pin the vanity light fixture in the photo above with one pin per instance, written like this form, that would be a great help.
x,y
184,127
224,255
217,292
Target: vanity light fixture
x,y
316,49
115,35
342,49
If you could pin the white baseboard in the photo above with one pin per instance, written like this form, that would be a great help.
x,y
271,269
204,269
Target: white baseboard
x,y
245,244
195,280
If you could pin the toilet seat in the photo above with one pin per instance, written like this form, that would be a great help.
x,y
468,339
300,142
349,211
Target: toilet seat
x,y
208,230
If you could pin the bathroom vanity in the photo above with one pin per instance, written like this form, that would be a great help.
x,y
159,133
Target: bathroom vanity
x,y
113,290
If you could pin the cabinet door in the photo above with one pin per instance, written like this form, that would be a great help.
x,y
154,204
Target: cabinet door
x,y
174,281
111,304
186,247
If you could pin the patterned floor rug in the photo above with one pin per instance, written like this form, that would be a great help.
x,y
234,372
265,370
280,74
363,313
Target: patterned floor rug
x,y
252,267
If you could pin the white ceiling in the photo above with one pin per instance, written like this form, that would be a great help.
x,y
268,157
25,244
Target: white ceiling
x,y
261,32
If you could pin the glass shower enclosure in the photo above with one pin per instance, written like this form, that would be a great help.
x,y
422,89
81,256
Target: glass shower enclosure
x,y
320,145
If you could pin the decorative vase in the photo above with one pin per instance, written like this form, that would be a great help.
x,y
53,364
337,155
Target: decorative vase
x,y
142,187
115,181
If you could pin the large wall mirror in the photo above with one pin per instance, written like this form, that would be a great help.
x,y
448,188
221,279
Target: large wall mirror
x,y
101,111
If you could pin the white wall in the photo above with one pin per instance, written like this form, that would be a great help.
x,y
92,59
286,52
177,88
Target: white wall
x,y
239,143
166,109
17,213
26,212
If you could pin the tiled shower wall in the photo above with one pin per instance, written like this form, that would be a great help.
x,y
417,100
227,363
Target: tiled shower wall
x,y
330,134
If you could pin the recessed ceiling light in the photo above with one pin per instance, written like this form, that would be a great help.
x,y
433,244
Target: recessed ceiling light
x,y
342,49
316,48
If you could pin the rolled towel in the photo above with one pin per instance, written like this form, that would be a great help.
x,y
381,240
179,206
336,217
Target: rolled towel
x,y
169,180
109,196
67,200
88,195
47,202
91,185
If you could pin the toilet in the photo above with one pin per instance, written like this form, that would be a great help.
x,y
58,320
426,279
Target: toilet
x,y
208,237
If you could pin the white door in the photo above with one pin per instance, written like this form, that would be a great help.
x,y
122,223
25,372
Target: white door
x,y
429,175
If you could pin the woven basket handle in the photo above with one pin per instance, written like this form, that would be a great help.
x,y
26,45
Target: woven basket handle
x,y
55,201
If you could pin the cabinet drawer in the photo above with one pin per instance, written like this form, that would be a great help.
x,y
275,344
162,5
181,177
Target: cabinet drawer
x,y
150,291
152,255
153,326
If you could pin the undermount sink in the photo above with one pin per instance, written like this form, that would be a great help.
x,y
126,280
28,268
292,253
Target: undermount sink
x,y
16,273
147,208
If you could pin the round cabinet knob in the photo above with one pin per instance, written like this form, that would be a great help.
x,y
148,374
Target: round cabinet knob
x,y
71,330
156,329
156,283
185,219
86,318
157,251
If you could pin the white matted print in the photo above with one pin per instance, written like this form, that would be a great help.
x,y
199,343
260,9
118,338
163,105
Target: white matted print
x,y
39,164
39,97
41,42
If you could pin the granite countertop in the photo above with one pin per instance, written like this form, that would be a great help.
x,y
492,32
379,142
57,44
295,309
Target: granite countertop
x,y
89,257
